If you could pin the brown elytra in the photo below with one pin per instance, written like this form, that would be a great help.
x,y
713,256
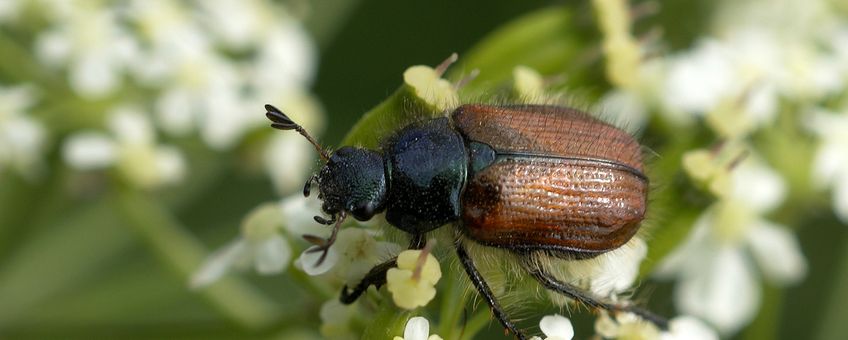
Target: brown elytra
x,y
563,181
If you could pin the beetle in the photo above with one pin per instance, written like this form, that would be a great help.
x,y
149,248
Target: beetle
x,y
529,179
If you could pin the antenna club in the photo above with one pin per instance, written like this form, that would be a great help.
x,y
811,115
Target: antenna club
x,y
281,121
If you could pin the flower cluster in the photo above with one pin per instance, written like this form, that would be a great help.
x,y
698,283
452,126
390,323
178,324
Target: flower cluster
x,y
193,69
759,64
22,138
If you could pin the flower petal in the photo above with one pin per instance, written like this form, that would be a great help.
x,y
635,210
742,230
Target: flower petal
x,y
557,326
618,269
217,264
840,198
417,328
298,212
777,252
272,256
606,327
89,150
680,258
760,187
721,289
308,261
688,328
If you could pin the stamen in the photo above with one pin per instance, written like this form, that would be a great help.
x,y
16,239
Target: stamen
x,y
422,259
440,70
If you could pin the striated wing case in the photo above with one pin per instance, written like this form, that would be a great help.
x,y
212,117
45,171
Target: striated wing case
x,y
561,180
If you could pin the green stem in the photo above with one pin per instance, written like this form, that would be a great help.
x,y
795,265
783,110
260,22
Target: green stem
x,y
183,254
20,66
387,323
833,325
66,250
765,326
316,290
476,324
453,302
673,209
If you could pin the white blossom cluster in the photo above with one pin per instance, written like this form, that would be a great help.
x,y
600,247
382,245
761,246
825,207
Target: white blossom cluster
x,y
194,68
22,137
760,60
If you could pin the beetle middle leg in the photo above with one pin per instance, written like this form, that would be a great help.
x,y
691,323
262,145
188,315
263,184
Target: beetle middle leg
x,y
552,283
377,275
484,290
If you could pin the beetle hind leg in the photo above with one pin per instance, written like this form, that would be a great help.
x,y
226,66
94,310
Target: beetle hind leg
x,y
552,283
484,290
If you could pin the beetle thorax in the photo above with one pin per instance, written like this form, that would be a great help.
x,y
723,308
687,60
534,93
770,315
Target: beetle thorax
x,y
353,181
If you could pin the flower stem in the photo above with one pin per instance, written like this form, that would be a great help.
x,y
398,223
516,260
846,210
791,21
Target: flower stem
x,y
183,254
303,280
453,303
476,323
388,322
832,325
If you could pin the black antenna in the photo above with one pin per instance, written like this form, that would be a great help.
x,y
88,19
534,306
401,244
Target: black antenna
x,y
280,121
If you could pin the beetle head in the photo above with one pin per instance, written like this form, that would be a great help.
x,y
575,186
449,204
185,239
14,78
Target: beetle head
x,y
353,181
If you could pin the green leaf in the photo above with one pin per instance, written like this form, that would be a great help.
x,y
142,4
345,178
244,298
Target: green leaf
x,y
544,40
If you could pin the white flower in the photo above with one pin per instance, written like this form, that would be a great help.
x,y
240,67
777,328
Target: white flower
x,y
555,327
688,328
606,275
260,246
417,328
625,326
350,258
298,212
208,92
699,79
629,326
200,87
618,269
288,50
131,148
92,43
238,23
412,283
336,319
830,168
731,81
10,10
90,150
22,139
717,277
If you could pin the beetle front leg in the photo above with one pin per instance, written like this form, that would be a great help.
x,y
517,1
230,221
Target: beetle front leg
x,y
485,291
552,283
377,275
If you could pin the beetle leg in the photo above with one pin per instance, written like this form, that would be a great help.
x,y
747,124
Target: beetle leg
x,y
307,188
325,244
582,296
377,275
484,290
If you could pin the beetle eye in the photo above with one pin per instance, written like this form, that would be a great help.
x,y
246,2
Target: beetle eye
x,y
363,212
